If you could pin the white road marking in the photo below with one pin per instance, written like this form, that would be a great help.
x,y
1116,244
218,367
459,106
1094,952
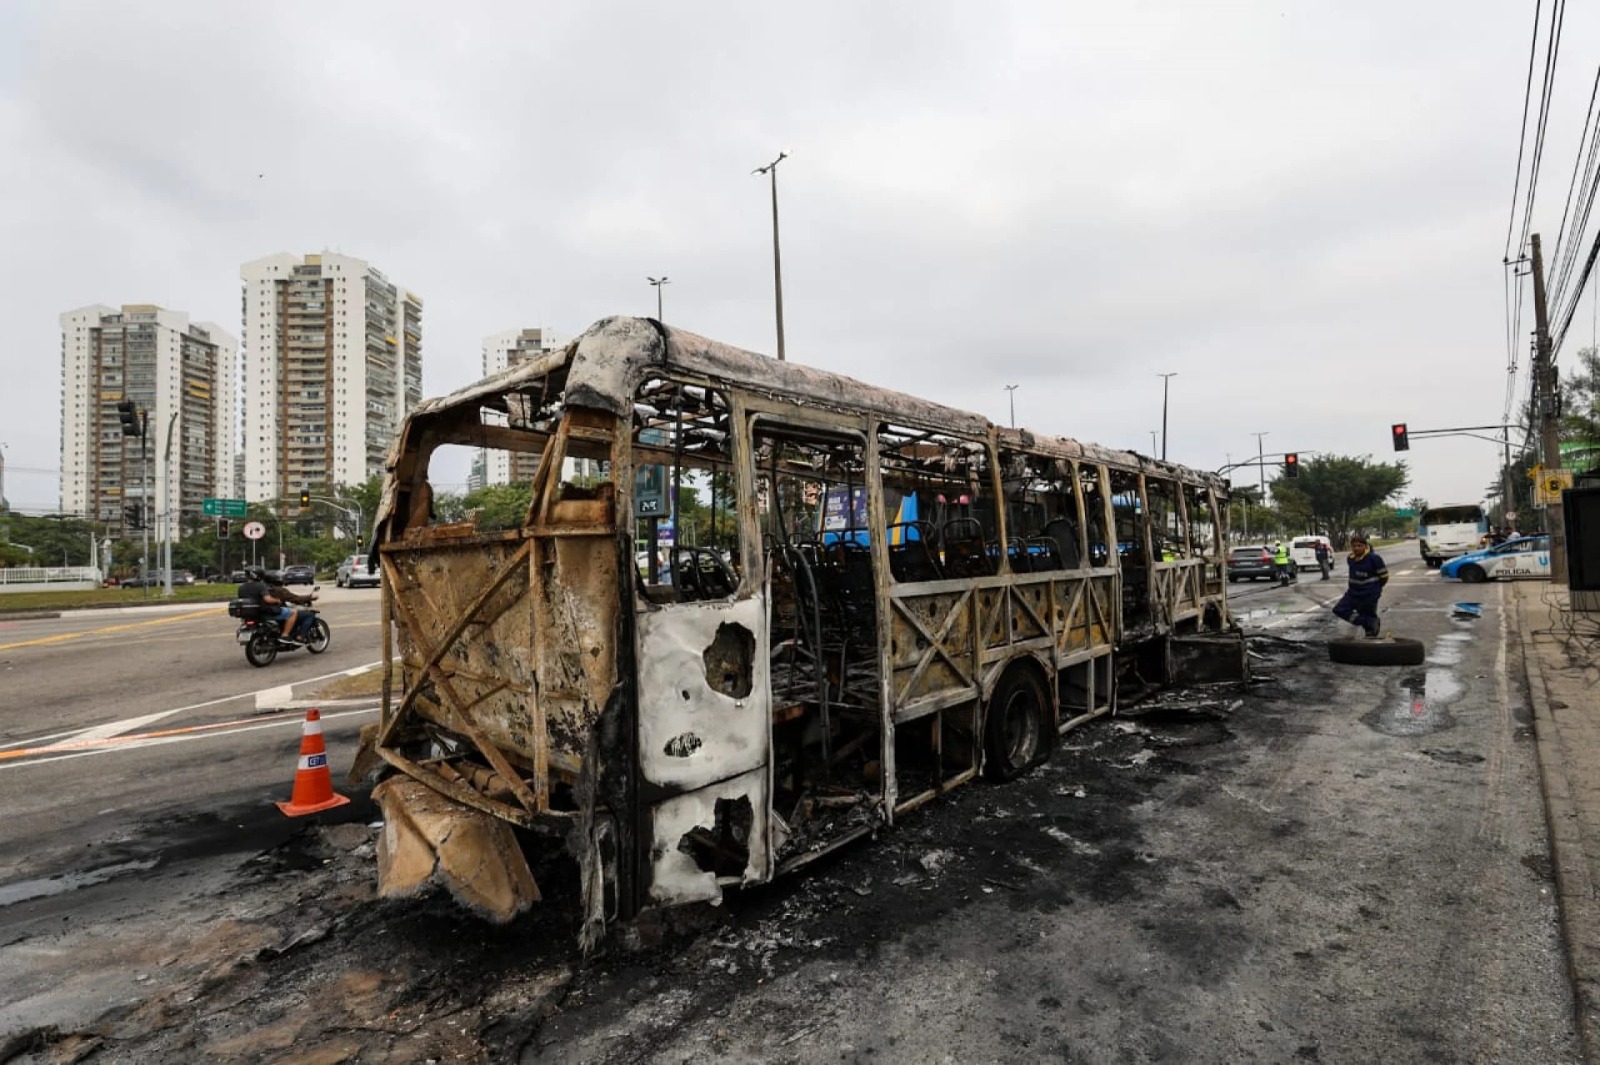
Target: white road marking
x,y
272,698
160,740
114,728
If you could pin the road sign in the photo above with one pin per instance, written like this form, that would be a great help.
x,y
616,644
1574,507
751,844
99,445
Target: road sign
x,y
223,508
254,530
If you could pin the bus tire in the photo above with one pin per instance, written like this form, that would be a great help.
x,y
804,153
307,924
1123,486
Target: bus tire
x,y
1017,728
1391,651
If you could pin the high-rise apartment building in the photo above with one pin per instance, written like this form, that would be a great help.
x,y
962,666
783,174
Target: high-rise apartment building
x,y
332,365
501,351
183,374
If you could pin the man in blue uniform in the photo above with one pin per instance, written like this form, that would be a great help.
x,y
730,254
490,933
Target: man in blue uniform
x,y
1368,575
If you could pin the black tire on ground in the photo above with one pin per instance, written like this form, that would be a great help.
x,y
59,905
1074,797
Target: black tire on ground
x,y
1471,574
320,637
262,649
1390,651
1017,729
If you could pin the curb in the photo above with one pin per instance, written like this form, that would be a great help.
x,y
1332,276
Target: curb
x,y
1575,898
57,611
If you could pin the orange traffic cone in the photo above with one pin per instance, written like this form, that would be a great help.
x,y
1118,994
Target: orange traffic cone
x,y
313,783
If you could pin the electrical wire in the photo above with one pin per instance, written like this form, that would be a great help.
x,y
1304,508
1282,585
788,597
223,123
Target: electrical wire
x,y
1562,236
1552,55
1522,135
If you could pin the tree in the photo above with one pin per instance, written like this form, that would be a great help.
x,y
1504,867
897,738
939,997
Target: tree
x,y
1334,489
1580,412
499,506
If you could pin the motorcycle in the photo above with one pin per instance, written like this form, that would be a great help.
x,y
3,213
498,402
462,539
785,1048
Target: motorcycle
x,y
263,637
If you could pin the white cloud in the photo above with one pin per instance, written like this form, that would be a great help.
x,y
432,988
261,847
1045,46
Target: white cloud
x,y
1072,197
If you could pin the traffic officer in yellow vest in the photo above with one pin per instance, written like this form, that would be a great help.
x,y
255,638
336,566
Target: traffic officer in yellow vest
x,y
1281,562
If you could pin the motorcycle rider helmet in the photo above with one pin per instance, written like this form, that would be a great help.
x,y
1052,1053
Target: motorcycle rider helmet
x,y
255,573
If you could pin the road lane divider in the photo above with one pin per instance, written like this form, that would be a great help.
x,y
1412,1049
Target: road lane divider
x,y
63,637
80,748
112,728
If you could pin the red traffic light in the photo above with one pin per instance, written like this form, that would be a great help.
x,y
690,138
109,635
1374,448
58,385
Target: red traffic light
x,y
1401,441
1291,464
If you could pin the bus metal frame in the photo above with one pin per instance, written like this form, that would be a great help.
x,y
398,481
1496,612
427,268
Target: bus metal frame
x,y
544,685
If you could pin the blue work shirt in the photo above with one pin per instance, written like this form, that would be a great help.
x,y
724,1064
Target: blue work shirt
x,y
1368,575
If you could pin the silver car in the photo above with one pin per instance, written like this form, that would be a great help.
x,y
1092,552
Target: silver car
x,y
356,570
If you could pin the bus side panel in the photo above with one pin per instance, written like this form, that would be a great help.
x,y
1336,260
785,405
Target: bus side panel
x,y
705,712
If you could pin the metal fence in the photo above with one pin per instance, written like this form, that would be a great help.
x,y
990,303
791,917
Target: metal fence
x,y
49,575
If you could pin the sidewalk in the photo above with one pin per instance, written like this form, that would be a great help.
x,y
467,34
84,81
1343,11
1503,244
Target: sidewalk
x,y
1563,676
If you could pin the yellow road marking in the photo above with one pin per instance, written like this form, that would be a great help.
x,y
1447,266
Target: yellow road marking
x,y
65,636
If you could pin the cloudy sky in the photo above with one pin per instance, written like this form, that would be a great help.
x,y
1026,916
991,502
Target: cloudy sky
x,y
1299,208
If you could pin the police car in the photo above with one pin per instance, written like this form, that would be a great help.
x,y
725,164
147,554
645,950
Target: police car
x,y
1526,556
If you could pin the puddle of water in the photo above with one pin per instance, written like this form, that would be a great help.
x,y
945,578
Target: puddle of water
x,y
23,890
1466,611
1448,648
1420,709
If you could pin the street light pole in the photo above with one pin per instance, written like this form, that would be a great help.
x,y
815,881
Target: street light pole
x,y
771,169
1011,393
1261,466
1166,379
1153,442
657,282
166,512
144,501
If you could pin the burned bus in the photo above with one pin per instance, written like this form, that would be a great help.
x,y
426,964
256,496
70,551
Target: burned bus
x,y
866,600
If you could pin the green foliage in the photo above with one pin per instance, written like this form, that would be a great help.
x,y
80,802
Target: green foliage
x,y
499,506
55,541
1332,491
1580,409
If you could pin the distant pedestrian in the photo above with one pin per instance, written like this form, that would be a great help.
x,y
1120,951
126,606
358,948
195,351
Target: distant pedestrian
x,y
1324,559
1280,562
1359,603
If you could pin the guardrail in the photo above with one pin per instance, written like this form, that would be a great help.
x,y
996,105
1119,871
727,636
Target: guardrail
x,y
49,575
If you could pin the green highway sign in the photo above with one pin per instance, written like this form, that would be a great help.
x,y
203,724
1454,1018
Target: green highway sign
x,y
223,508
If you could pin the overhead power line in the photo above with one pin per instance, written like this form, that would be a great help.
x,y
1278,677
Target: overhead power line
x,y
1522,134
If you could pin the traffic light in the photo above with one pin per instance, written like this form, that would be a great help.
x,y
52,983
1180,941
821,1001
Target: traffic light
x,y
1401,442
222,528
305,500
1291,464
134,515
361,542
129,416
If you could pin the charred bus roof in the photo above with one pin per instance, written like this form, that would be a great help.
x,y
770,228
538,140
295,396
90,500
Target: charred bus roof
x,y
605,365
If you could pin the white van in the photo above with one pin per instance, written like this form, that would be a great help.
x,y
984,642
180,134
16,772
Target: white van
x,y
1303,551
1447,531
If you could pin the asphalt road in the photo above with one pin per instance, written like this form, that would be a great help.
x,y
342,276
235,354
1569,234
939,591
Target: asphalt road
x,y
1333,864
114,720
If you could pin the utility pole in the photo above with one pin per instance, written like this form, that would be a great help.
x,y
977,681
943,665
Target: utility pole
x,y
145,490
1166,379
771,169
1011,392
166,509
1261,466
1550,438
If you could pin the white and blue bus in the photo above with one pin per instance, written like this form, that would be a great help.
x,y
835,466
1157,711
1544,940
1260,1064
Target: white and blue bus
x,y
1447,531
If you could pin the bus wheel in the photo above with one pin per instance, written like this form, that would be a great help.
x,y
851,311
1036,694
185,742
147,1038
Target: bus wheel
x,y
1017,727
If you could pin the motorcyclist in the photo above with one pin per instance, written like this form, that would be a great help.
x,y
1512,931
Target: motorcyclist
x,y
291,601
274,599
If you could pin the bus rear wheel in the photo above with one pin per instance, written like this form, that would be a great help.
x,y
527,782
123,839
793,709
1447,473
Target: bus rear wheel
x,y
1017,730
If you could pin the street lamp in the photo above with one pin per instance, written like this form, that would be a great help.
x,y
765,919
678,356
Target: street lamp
x,y
1011,393
771,169
656,283
1166,379
1261,466
166,511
